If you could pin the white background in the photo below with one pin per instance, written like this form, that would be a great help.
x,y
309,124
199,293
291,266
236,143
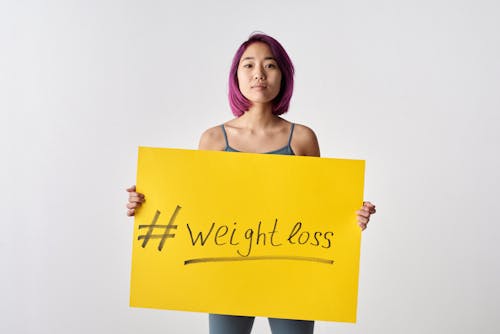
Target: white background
x,y
410,86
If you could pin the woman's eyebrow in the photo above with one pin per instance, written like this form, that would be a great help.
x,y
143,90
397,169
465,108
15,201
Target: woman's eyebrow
x,y
265,58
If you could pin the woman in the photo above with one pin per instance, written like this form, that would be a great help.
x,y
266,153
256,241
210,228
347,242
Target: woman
x,y
260,88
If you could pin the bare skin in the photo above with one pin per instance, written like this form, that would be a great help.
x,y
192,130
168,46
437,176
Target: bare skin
x,y
258,130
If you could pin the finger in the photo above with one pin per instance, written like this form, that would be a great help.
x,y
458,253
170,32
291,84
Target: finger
x,y
370,206
363,220
363,213
136,199
133,193
131,188
133,205
130,212
363,226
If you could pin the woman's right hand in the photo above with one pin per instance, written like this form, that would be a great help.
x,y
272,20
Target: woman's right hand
x,y
135,200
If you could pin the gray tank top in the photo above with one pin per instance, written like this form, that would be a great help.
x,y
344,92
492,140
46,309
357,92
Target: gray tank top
x,y
285,150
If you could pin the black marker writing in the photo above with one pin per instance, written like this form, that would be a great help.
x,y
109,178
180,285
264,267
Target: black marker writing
x,y
256,258
305,236
247,239
149,234
194,241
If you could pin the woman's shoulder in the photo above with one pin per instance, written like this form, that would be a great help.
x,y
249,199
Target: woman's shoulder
x,y
212,139
303,131
304,141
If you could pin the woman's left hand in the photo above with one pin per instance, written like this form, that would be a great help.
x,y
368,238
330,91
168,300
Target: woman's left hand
x,y
364,214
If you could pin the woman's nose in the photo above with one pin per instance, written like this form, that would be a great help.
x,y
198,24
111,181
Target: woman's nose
x,y
259,75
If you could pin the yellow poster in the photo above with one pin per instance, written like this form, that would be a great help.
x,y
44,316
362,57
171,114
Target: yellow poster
x,y
247,234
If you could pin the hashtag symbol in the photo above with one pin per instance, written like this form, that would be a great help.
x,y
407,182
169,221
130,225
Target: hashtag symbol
x,y
149,234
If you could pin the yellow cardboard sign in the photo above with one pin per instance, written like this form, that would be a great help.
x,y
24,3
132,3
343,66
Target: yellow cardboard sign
x,y
247,234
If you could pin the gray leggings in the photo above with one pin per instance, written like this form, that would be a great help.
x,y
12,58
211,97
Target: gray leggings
x,y
231,324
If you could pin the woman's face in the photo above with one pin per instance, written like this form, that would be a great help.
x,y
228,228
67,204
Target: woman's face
x,y
259,77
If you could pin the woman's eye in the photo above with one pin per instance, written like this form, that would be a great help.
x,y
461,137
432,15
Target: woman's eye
x,y
247,65
271,66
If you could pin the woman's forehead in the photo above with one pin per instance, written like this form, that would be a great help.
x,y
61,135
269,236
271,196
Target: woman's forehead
x,y
257,50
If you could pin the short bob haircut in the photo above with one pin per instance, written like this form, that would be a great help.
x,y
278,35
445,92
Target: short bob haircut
x,y
239,104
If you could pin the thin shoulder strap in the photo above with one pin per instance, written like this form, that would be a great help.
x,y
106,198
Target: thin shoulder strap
x,y
225,134
291,133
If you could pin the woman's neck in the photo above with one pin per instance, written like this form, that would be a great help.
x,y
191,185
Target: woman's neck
x,y
258,117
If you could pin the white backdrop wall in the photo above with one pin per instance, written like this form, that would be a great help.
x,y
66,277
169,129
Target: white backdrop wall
x,y
410,86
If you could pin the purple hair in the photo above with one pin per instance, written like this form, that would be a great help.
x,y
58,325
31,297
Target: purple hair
x,y
239,104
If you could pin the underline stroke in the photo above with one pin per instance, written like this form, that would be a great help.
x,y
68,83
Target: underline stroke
x,y
257,258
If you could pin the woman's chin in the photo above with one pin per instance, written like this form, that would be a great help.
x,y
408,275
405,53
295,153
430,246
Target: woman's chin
x,y
260,98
